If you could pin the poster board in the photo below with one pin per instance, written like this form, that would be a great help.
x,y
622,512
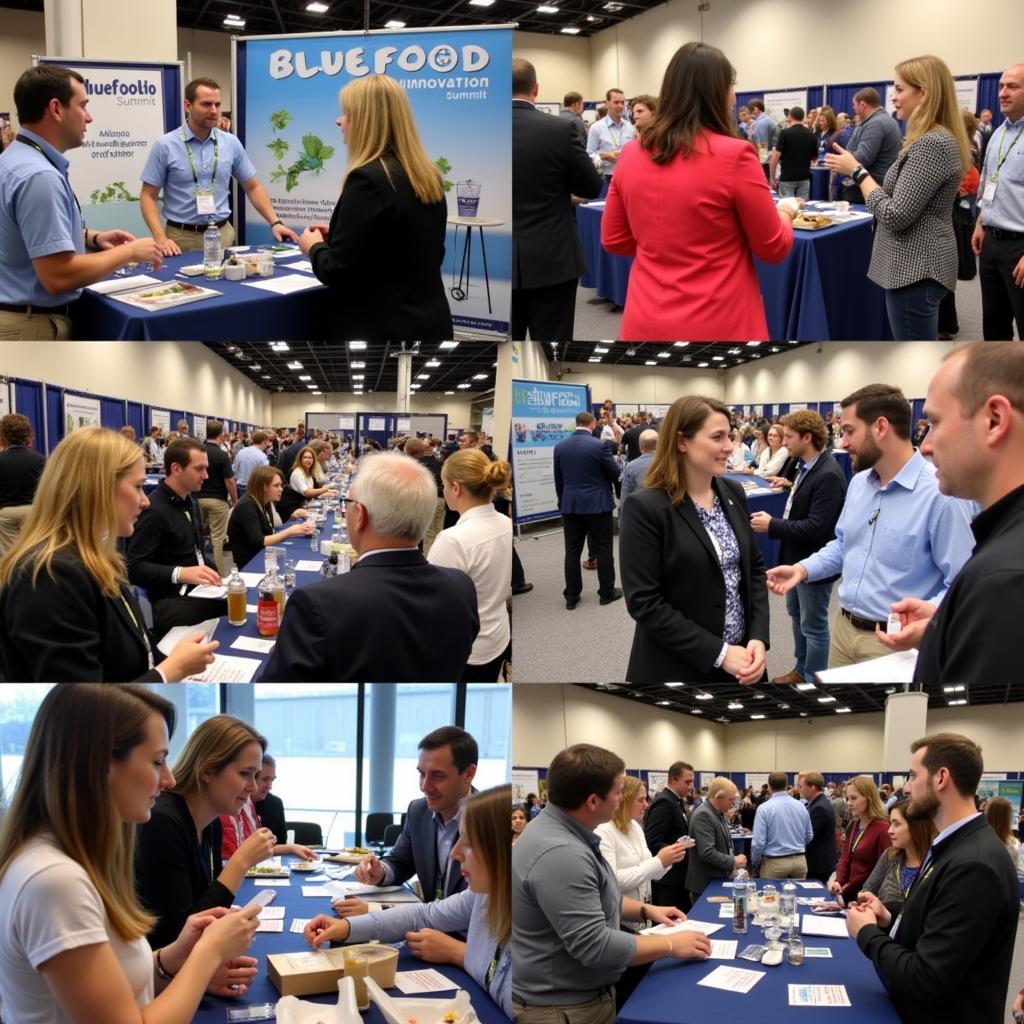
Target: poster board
x,y
777,103
524,780
199,426
6,405
80,411
656,782
160,418
755,780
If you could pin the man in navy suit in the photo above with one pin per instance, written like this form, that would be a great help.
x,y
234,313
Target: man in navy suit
x,y
808,523
343,629
584,473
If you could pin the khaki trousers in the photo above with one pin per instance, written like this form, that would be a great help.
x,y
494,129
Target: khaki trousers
x,y
12,519
784,867
191,241
435,525
215,522
34,327
848,644
598,1011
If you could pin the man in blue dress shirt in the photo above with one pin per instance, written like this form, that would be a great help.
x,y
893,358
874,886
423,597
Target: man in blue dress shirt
x,y
47,255
194,165
898,536
607,136
782,830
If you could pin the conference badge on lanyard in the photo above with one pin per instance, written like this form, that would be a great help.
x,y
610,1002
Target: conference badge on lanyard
x,y
205,205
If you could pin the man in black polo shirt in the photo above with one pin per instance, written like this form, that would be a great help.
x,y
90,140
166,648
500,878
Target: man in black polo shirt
x,y
20,470
796,150
165,553
218,495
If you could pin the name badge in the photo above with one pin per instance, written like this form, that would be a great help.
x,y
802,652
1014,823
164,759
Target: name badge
x,y
990,191
205,205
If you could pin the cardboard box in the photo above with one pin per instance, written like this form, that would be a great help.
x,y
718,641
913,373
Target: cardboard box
x,y
312,973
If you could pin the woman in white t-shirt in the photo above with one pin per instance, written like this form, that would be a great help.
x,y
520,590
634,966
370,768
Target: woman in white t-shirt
x,y
73,945
308,476
773,456
480,544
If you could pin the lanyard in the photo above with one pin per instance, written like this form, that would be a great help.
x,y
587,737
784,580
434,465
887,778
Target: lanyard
x,y
492,967
191,160
1000,156
614,129
263,512
198,550
897,875
857,838
138,629
46,156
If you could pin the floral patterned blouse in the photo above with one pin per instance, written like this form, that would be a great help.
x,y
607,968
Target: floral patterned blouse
x,y
724,540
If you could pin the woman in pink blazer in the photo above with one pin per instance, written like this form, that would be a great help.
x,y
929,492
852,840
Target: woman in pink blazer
x,y
690,202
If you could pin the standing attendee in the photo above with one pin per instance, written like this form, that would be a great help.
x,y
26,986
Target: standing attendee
x,y
690,202
193,165
999,814
154,448
764,129
549,167
609,134
826,132
876,141
793,155
821,850
914,256
782,832
643,109
572,111
47,254
20,469
999,233
897,534
585,470
381,255
867,837
219,494
744,123
807,524
958,923
713,856
898,867
631,436
691,568
635,471
665,823
420,450
249,457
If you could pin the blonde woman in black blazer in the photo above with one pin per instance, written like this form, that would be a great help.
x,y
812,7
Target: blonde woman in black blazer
x,y
691,570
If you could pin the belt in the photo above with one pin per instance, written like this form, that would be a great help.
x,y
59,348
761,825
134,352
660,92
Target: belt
x,y
783,856
1002,233
859,623
197,228
28,310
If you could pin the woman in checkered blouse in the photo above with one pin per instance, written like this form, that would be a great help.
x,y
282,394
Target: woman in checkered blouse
x,y
914,257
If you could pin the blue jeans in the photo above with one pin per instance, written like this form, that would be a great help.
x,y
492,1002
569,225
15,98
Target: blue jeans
x,y
914,311
807,605
800,189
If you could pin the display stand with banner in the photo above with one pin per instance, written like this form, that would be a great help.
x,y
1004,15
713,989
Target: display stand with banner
x,y
459,82
132,104
543,413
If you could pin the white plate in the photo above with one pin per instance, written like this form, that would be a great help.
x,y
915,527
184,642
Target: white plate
x,y
238,248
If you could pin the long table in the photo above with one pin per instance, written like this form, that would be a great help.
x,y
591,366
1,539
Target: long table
x,y
819,292
669,994
238,311
213,1009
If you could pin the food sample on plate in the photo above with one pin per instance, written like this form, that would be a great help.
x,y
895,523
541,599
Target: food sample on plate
x,y
812,221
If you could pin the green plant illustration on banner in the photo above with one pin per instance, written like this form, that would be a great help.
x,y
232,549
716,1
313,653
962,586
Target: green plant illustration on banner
x,y
115,192
444,166
314,156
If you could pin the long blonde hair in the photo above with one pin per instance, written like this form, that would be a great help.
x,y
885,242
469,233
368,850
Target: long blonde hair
x,y
75,508
865,786
212,747
380,122
630,787
939,107
485,818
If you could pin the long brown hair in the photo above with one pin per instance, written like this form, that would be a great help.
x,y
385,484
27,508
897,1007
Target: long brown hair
x,y
922,832
485,818
64,788
686,416
998,815
695,96
213,745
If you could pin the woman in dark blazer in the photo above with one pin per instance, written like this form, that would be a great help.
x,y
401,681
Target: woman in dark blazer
x,y
691,570
251,526
67,612
382,253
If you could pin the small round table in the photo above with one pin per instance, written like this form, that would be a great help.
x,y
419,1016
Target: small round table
x,y
460,291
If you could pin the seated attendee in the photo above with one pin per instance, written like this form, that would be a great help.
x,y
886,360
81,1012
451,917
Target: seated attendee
x,y
483,910
343,628
67,612
998,813
251,526
178,859
73,947
480,544
269,807
741,456
518,822
20,470
774,455
897,869
238,827
714,855
866,838
166,551
308,475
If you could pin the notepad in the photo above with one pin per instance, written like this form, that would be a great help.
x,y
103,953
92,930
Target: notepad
x,y
833,927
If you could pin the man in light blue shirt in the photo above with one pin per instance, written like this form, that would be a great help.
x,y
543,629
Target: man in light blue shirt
x,y
607,136
249,458
635,471
46,253
194,165
764,129
782,830
898,536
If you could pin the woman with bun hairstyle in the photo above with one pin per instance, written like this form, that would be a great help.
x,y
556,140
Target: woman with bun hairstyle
x,y
480,544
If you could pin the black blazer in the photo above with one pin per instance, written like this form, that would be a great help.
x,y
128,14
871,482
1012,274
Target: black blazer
x,y
271,812
65,629
549,166
814,513
415,853
958,926
675,590
382,259
247,527
20,470
343,628
821,850
664,823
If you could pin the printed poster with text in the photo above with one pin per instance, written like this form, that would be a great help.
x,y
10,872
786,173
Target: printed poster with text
x,y
459,83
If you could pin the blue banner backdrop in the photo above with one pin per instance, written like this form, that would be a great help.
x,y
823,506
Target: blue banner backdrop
x,y
459,82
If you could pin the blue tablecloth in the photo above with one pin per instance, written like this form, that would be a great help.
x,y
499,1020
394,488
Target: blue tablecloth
x,y
213,1009
774,504
819,182
820,292
239,311
669,994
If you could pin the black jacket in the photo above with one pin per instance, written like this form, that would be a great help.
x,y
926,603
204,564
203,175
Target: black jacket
x,y
65,629
247,527
549,166
817,503
20,470
343,628
271,812
971,638
382,259
175,874
950,959
675,590
666,822
821,850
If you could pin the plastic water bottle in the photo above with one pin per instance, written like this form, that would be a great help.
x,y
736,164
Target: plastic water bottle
x,y
739,903
213,256
787,902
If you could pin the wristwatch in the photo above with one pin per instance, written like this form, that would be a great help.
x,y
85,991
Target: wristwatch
x,y
858,174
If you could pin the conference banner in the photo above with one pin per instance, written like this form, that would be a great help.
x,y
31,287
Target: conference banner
x,y
459,82
129,104
543,413
80,411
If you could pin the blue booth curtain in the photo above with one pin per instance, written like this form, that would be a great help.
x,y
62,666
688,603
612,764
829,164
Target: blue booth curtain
x,y
988,96
134,418
840,96
112,413
28,400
